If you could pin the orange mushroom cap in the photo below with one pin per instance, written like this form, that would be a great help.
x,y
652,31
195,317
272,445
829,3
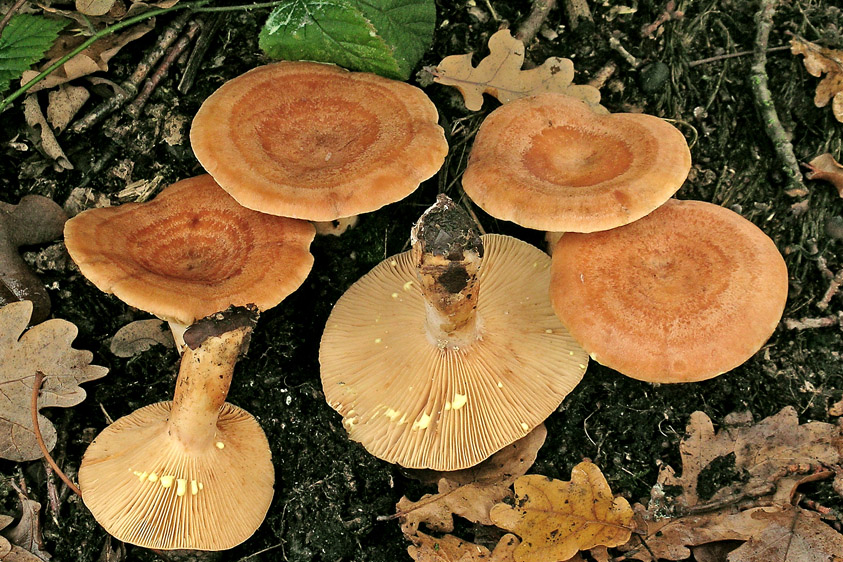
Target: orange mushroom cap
x,y
190,252
549,162
685,294
316,142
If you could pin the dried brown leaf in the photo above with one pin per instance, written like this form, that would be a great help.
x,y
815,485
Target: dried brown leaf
x,y
64,103
35,119
790,535
500,75
471,492
27,533
93,59
138,336
453,549
45,347
763,452
818,61
825,167
5,545
94,7
556,519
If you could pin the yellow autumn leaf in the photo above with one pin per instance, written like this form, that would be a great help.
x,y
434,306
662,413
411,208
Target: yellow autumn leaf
x,y
556,519
500,75
818,61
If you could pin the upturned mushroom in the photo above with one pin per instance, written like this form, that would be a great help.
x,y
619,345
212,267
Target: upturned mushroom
x,y
190,252
195,473
317,142
550,163
685,294
442,355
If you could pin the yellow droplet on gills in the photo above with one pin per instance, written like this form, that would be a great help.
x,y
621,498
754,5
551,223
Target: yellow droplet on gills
x,y
201,486
422,423
460,400
393,263
167,480
524,426
548,331
181,487
220,445
194,487
152,477
142,476
378,340
394,295
391,414
407,285
500,384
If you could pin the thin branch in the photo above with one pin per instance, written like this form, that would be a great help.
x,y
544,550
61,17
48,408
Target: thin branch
x,y
538,15
33,407
9,14
735,55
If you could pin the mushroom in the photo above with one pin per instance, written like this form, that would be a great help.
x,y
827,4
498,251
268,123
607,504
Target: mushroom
x,y
442,355
190,252
316,142
34,220
549,162
195,473
687,293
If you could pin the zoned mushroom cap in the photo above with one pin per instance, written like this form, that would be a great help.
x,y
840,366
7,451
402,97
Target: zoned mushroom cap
x,y
317,142
685,294
144,489
190,252
413,402
548,162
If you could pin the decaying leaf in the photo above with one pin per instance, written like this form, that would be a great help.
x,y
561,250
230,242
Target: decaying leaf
x,y
825,167
35,119
93,59
556,519
63,104
94,7
10,552
471,493
500,75
818,61
27,533
138,336
45,347
790,535
762,452
453,549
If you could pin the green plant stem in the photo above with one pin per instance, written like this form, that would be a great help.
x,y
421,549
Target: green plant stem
x,y
196,6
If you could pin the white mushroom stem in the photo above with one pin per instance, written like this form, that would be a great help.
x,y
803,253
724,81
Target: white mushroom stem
x,y
448,252
178,334
213,346
335,227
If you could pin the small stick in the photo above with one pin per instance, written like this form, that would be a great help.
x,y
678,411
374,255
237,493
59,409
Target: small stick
x,y
764,99
670,13
813,323
615,44
15,7
36,387
577,10
52,493
734,55
603,75
833,289
194,62
538,15
174,53
130,86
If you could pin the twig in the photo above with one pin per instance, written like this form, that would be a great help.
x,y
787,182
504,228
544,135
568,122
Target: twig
x,y
763,98
735,55
615,44
33,407
130,86
194,62
15,7
52,493
577,10
833,289
538,15
602,76
814,323
152,82
670,13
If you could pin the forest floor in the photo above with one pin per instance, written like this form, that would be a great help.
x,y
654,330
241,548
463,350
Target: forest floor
x,y
329,490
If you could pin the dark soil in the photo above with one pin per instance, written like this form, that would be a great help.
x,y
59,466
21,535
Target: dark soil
x,y
329,491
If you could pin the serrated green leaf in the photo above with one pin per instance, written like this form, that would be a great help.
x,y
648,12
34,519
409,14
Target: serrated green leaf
x,y
24,41
387,37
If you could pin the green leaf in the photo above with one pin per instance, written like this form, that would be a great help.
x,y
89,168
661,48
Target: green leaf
x,y
387,37
24,41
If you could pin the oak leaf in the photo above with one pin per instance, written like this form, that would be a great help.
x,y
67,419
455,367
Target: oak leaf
x,y
790,535
471,492
500,75
45,347
453,549
556,519
818,61
825,167
762,452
